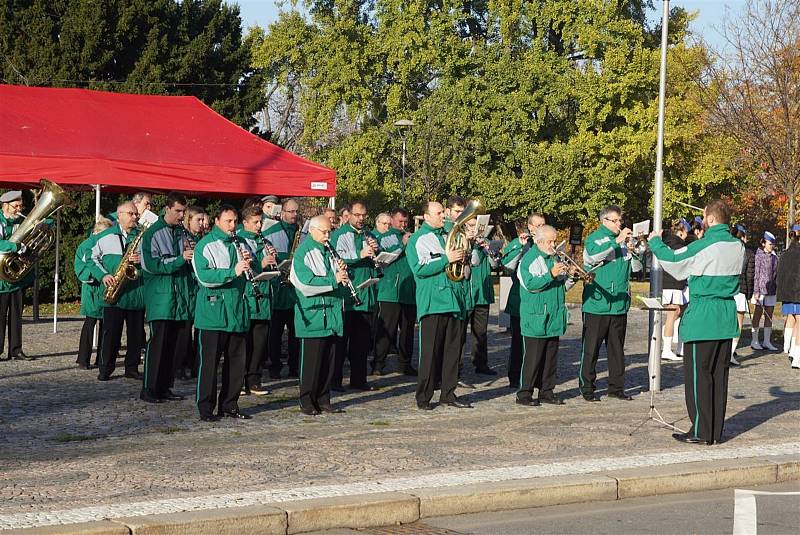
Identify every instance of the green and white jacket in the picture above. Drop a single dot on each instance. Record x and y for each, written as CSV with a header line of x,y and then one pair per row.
x,y
258,309
281,235
319,311
712,265
349,242
109,247
513,252
480,280
167,275
397,284
7,228
609,294
543,312
92,290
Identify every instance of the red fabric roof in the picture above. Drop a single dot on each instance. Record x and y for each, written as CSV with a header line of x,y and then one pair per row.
x,y
143,142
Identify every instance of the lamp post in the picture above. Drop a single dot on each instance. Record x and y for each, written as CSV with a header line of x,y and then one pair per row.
x,y
403,125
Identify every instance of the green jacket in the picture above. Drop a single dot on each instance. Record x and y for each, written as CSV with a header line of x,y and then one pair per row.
x,y
480,281
397,284
281,236
7,228
221,304
609,294
713,265
436,294
543,312
319,311
167,275
107,251
261,308
512,254
348,243
92,290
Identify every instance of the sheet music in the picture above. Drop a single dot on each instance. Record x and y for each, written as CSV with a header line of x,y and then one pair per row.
x,y
642,228
386,258
148,218
266,275
367,283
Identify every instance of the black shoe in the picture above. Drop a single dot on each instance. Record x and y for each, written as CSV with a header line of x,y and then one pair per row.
x,y
171,396
235,414
102,377
309,411
551,400
144,396
134,375
620,395
528,402
258,390
209,418
464,384
337,388
457,404
485,370
685,438
591,397
83,366
274,375
410,371
364,388
427,406
330,409
22,356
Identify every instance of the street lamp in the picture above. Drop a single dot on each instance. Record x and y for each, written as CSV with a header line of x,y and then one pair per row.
x,y
403,125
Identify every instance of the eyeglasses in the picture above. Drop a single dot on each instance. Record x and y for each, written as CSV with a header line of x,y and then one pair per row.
x,y
132,214
617,220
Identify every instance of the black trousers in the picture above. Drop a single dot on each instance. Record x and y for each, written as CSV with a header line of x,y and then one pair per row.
x,y
441,342
316,371
281,319
186,349
539,366
256,351
159,365
113,318
11,315
515,354
212,346
706,366
596,330
87,339
389,317
478,325
355,346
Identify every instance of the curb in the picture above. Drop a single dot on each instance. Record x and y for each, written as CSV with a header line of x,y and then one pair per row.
x,y
391,508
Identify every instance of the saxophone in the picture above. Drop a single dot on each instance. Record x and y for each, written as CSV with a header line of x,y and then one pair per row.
x,y
126,270
457,240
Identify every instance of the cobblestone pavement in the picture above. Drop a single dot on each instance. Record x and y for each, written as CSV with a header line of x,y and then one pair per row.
x,y
70,441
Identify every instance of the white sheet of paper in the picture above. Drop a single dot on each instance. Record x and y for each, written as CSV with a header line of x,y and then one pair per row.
x,y
652,303
642,228
276,210
367,283
386,258
266,276
148,218
284,265
488,231
267,223
482,221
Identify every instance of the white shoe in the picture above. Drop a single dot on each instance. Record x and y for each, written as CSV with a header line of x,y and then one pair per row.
x,y
756,346
734,361
795,356
667,354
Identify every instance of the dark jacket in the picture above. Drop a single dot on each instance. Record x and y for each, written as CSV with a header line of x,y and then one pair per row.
x,y
789,275
673,242
748,273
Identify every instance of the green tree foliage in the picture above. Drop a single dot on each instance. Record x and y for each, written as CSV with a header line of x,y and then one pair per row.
x,y
548,104
170,47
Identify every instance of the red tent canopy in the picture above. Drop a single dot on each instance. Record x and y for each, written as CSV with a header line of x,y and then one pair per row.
x,y
142,142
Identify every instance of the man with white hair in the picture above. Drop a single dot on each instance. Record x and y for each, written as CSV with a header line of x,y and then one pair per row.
x,y
544,282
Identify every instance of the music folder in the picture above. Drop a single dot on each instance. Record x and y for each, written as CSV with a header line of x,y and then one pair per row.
x,y
285,265
367,283
651,303
386,258
266,276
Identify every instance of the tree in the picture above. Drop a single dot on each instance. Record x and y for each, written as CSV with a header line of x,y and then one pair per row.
x,y
752,93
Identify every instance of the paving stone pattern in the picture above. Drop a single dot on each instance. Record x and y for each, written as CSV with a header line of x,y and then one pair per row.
x,y
70,442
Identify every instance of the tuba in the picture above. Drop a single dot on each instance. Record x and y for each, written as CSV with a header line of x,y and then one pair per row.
x,y
457,240
34,234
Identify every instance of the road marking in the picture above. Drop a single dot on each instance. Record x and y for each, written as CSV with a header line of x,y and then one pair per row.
x,y
745,518
436,480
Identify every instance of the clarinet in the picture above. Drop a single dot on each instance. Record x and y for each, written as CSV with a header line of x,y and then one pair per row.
x,y
375,264
248,273
269,247
349,284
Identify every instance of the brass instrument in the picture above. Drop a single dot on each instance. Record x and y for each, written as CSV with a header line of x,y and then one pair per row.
x,y
248,273
586,276
457,240
126,270
33,236
295,244
340,263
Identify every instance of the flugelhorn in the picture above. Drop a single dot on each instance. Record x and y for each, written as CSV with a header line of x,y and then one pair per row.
x,y
457,240
585,276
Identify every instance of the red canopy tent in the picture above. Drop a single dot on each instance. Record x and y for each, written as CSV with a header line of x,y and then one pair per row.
x,y
78,137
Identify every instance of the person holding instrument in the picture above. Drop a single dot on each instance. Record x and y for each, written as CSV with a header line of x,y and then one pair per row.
x,y
318,280
186,344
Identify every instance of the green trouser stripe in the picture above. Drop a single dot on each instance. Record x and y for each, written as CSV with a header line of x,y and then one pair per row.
x,y
419,357
583,350
522,367
302,354
694,381
200,366
147,356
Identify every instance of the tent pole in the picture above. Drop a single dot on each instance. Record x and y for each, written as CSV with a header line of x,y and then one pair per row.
x,y
96,332
332,203
55,276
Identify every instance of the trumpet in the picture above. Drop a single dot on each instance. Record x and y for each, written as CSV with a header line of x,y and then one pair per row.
x,y
340,263
580,273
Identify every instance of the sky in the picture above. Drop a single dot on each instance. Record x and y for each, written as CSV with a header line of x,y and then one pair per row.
x,y
262,12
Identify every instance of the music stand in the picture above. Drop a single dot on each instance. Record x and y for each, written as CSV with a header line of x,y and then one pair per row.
x,y
652,303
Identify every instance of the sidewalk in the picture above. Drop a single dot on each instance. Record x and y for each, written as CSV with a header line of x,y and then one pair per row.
x,y
70,443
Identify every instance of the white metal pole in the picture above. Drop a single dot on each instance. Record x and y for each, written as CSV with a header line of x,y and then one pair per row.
x,y
403,182
55,276
658,187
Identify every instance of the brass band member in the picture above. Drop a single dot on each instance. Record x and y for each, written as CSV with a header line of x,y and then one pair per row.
x,y
605,304
92,291
318,317
186,345
396,295
167,277
332,216
675,294
107,253
267,208
357,249
512,254
481,290
282,236
712,264
221,317
441,306
11,293
543,317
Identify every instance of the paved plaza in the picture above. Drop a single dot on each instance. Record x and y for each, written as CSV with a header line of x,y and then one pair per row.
x,y
69,441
